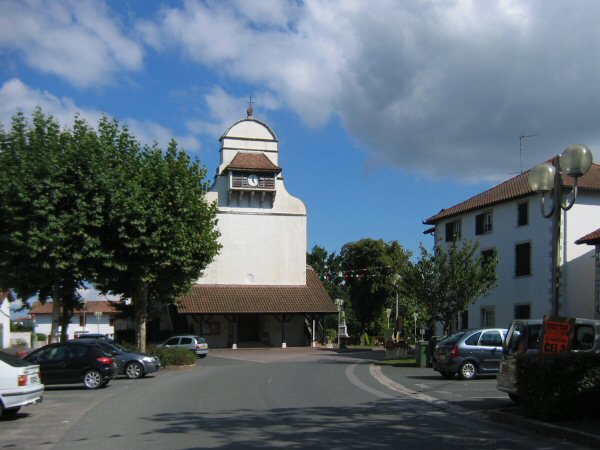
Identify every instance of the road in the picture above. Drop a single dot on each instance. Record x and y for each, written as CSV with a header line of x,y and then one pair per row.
x,y
295,398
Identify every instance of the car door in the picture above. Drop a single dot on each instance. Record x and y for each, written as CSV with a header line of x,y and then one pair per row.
x,y
172,342
77,362
187,343
490,350
52,363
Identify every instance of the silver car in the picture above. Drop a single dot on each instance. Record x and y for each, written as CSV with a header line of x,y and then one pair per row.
x,y
187,341
468,353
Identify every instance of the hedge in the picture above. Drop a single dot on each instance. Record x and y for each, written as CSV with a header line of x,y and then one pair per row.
x,y
559,385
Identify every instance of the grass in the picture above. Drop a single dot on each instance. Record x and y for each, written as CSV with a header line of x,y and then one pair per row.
x,y
406,362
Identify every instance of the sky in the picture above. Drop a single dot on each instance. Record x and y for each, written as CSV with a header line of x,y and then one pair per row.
x,y
386,110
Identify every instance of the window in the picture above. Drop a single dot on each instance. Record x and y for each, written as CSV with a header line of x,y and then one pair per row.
x,y
464,319
491,339
487,255
483,223
523,259
473,339
522,214
452,231
522,311
488,317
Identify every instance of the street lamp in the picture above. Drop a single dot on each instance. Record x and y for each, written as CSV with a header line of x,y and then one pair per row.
x,y
396,280
388,312
546,179
339,303
98,314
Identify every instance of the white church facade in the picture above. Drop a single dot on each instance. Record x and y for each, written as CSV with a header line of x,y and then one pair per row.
x,y
258,290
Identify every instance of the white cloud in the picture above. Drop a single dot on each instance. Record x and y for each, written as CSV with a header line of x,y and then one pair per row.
x,y
15,96
78,40
433,88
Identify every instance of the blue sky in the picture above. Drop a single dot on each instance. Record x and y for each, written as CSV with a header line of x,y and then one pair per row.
x,y
386,111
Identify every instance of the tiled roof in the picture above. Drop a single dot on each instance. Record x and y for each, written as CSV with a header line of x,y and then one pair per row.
x,y
91,308
252,161
239,299
510,190
592,239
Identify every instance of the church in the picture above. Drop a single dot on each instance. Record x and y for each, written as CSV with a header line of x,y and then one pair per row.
x,y
258,291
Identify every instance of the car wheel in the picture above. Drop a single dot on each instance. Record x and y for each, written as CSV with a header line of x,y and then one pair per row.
x,y
8,413
202,356
134,370
467,370
93,379
514,397
446,374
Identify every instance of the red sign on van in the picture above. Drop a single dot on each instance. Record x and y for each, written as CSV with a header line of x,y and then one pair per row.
x,y
558,334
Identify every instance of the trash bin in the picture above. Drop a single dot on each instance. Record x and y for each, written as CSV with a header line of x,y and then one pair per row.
x,y
421,353
432,343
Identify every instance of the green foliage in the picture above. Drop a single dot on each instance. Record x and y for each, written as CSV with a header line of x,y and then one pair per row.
x,y
173,357
559,386
448,281
46,208
329,268
370,267
41,337
20,327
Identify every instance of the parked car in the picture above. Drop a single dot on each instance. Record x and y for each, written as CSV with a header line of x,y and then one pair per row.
x,y
74,362
20,384
523,336
79,335
131,364
188,341
468,353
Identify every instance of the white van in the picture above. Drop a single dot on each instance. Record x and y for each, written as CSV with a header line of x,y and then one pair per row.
x,y
524,336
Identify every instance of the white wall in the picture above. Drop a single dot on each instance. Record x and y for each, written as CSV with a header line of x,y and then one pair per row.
x,y
5,322
43,324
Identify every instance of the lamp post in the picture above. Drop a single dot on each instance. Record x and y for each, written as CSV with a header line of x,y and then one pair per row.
x,y
339,303
98,314
388,312
396,280
546,179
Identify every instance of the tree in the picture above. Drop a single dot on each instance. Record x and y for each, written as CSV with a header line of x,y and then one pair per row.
x,y
159,232
450,279
369,266
45,211
329,268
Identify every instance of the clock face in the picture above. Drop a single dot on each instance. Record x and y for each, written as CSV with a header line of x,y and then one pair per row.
x,y
253,180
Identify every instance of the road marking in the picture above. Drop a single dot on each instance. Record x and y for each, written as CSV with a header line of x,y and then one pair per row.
x,y
376,373
359,384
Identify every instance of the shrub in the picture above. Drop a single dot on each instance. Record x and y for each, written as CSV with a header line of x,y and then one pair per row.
x,y
559,386
40,337
173,356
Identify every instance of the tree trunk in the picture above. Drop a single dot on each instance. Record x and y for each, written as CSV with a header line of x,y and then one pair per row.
x,y
56,307
140,302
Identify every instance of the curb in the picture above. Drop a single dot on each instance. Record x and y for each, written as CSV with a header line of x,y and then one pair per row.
x,y
549,429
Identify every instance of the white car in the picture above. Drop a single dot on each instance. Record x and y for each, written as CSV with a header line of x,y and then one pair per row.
x,y
20,384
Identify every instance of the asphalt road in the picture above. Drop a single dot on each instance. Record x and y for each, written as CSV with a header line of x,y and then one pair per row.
x,y
298,398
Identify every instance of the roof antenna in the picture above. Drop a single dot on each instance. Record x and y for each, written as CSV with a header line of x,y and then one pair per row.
x,y
250,111
523,136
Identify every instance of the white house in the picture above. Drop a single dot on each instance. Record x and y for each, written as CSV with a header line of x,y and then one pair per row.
x,y
594,239
97,317
258,290
4,320
508,218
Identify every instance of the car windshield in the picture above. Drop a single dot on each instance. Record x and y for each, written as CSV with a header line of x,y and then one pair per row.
x,y
453,339
201,340
111,349
14,361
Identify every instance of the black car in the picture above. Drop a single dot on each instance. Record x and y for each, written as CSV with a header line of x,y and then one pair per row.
x,y
131,364
74,362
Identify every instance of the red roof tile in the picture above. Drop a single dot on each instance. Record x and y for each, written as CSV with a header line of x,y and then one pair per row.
x,y
252,161
91,308
510,190
238,299
592,239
